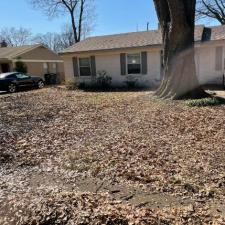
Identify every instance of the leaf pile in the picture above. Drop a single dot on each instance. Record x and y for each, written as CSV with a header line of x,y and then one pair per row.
x,y
86,208
53,140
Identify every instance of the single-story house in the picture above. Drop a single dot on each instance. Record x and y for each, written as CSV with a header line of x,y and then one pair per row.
x,y
138,55
38,59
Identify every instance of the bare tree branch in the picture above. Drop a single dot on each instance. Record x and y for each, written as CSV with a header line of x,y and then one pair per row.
x,y
214,9
15,37
56,41
75,8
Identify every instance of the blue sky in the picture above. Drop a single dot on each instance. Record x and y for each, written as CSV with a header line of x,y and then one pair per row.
x,y
112,17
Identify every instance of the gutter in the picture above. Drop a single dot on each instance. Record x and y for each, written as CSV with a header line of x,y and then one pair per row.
x,y
5,59
197,44
110,49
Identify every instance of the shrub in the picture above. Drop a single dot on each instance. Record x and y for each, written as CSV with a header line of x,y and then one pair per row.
x,y
211,101
82,85
20,67
71,85
131,82
103,80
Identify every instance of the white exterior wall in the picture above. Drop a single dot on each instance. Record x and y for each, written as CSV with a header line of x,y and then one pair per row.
x,y
110,62
206,64
68,68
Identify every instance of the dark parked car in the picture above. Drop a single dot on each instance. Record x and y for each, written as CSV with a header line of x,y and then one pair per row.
x,y
13,81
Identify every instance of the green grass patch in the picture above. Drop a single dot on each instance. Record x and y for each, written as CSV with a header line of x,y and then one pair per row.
x,y
203,102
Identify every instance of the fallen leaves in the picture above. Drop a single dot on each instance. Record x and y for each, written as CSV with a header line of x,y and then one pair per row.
x,y
51,138
92,209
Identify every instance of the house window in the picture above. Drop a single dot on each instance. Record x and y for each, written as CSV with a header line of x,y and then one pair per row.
x,y
45,66
161,63
54,67
85,67
134,63
219,58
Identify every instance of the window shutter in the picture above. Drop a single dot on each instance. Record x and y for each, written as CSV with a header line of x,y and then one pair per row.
x,y
93,66
75,67
123,63
144,63
219,58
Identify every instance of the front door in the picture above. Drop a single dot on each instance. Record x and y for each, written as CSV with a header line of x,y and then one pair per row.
x,y
5,68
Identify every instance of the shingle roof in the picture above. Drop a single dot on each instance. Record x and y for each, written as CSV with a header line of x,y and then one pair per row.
x,y
117,41
126,40
12,52
217,33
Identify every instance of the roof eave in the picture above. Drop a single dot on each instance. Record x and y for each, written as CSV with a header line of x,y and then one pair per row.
x,y
5,59
110,49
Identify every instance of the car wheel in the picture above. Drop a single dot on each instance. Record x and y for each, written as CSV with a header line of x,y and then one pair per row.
x,y
40,84
12,88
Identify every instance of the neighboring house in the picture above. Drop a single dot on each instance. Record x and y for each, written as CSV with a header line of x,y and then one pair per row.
x,y
138,56
38,59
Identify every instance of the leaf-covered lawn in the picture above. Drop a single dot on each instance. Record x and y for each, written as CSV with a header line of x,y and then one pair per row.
x,y
72,157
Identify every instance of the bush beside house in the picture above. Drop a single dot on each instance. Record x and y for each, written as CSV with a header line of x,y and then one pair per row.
x,y
20,67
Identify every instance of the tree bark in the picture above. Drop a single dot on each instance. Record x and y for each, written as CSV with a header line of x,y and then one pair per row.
x,y
74,27
177,20
81,19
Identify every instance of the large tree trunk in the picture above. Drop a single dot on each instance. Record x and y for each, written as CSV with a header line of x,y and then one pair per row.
x,y
177,20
